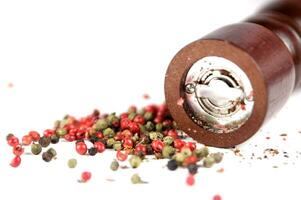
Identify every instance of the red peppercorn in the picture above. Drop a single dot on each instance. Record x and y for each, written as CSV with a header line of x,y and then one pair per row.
x,y
48,132
127,134
69,137
118,136
100,147
190,180
190,160
172,133
178,144
124,115
34,135
128,143
134,127
73,131
139,119
16,161
158,119
191,145
151,108
121,156
99,135
13,141
157,145
18,150
86,176
140,149
26,140
81,148
124,123
217,197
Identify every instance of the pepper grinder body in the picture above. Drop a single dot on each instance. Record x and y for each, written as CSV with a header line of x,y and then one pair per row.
x,y
222,88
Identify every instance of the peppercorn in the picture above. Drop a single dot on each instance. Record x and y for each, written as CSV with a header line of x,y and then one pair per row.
x,y
208,162
135,161
159,127
112,118
44,141
149,126
85,176
136,179
26,140
101,124
218,157
61,132
148,116
36,149
186,152
149,150
13,141
142,128
9,136
81,147
190,180
47,157
168,140
132,115
52,152
16,161
202,153
168,151
54,139
193,168
92,151
114,165
121,156
155,135
179,157
72,163
110,142
172,164
109,133
117,146
100,146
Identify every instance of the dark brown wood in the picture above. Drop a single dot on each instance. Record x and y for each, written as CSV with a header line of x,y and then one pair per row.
x,y
267,47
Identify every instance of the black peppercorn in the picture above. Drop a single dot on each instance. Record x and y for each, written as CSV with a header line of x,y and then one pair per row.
x,y
193,168
92,151
54,139
172,165
93,139
44,141
47,156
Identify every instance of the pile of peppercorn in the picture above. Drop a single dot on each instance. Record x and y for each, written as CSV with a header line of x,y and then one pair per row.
x,y
148,131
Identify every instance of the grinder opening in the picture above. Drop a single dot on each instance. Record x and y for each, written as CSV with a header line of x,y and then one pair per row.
x,y
218,95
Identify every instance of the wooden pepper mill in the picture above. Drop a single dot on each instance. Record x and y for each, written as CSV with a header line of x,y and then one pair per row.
x,y
221,89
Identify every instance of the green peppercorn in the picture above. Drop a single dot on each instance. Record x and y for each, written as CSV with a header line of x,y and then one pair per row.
x,y
172,164
159,127
109,133
47,157
101,124
208,162
92,151
142,128
135,138
61,132
179,157
44,141
141,112
36,149
149,126
135,161
110,142
72,163
168,151
114,165
54,139
168,140
156,136
158,155
111,118
148,116
52,151
136,179
117,146
202,153
132,115
218,157
186,152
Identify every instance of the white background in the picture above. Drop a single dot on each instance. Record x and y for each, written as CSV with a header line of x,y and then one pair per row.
x,y
73,56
